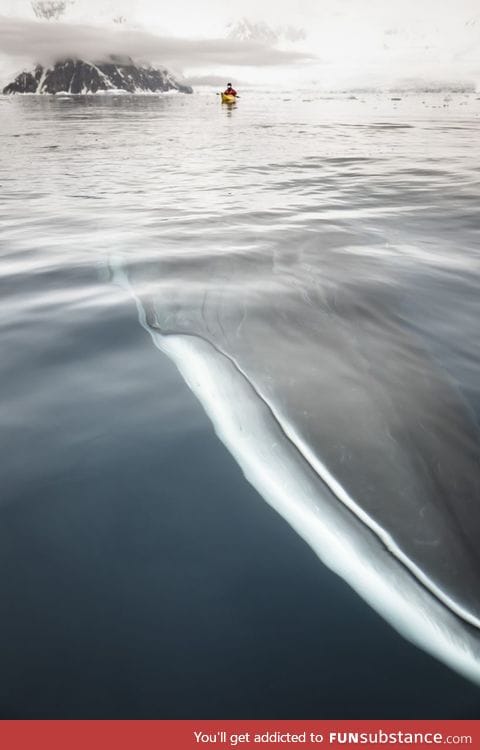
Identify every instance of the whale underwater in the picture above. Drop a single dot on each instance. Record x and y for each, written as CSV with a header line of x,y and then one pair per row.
x,y
350,421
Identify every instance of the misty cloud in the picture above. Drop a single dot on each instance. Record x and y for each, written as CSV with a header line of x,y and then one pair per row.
x,y
46,42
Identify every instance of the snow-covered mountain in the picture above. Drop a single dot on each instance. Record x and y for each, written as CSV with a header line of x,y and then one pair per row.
x,y
48,9
81,77
245,30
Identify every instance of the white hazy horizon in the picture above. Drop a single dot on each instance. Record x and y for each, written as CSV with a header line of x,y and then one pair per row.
x,y
348,43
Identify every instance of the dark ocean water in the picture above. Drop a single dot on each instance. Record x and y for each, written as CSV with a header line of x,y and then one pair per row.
x,y
141,574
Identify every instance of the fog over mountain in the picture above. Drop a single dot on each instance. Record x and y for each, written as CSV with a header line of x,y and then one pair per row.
x,y
25,42
341,43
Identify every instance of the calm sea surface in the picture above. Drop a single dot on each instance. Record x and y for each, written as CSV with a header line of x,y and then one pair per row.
x,y
329,248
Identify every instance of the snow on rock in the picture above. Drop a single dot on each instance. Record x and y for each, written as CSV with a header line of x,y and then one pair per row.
x,y
245,30
80,77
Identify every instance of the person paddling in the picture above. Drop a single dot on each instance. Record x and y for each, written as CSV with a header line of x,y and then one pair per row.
x,y
229,91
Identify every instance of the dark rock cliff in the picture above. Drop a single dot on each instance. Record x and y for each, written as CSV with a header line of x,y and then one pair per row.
x,y
81,77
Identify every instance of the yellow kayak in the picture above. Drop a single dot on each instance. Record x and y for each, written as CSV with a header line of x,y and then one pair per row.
x,y
228,98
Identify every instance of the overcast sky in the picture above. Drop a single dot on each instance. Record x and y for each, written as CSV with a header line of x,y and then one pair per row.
x,y
353,41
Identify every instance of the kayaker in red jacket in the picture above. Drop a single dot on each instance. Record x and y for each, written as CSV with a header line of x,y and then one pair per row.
x,y
229,91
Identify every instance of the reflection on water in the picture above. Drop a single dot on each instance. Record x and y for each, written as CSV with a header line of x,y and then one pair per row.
x,y
229,107
312,267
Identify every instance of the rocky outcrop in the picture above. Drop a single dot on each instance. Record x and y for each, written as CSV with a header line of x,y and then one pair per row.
x,y
81,77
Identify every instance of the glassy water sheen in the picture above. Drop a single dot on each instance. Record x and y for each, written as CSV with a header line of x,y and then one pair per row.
x,y
310,265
